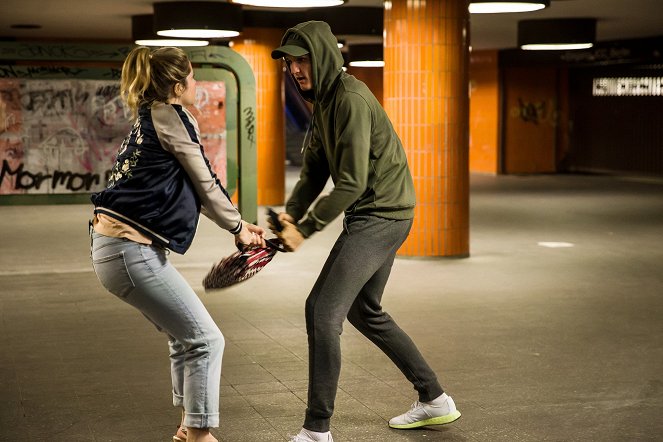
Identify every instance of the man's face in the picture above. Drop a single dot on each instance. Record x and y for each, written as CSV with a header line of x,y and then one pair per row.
x,y
300,69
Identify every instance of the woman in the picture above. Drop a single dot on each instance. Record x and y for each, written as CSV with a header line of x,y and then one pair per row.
x,y
160,183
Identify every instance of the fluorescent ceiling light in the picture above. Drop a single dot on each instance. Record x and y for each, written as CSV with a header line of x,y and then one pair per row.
x,y
172,42
497,7
367,64
367,55
290,3
197,19
556,34
556,47
142,34
197,33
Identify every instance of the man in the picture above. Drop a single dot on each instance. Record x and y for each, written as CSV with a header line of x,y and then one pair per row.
x,y
354,142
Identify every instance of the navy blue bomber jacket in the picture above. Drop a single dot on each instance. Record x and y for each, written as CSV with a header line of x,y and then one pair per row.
x,y
161,179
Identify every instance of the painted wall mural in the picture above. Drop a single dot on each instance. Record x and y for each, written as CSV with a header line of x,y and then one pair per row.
x,y
61,136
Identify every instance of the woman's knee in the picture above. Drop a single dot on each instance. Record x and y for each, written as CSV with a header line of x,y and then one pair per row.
x,y
210,343
216,341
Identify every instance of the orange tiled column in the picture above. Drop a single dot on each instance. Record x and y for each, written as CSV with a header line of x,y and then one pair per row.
x,y
484,112
255,45
426,97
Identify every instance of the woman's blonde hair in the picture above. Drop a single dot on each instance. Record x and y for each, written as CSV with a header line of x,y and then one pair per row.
x,y
151,75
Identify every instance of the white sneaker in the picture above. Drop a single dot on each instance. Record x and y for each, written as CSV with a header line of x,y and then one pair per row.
x,y
312,436
440,411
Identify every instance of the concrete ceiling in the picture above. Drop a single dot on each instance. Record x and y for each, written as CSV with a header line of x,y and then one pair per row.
x,y
111,19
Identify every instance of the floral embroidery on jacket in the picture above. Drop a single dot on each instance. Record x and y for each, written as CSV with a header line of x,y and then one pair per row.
x,y
123,168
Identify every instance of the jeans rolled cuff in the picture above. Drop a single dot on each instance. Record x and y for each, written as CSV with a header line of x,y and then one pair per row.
x,y
201,420
178,401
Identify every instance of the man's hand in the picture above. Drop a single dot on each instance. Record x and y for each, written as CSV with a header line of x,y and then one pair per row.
x,y
290,236
251,235
283,217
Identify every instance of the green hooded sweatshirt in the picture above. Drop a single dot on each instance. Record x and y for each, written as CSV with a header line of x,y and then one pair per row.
x,y
352,141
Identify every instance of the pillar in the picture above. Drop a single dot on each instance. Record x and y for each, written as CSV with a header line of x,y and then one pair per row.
x,y
256,45
484,112
426,97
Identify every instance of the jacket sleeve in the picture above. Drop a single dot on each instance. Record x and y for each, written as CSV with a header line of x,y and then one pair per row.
x,y
175,138
351,161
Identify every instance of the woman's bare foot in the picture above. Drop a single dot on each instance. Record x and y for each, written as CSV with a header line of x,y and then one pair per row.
x,y
199,435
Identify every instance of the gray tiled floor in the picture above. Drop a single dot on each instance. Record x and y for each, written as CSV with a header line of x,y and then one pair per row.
x,y
534,343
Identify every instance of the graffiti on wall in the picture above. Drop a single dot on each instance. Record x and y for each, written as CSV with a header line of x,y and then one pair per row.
x,y
62,136
535,112
210,111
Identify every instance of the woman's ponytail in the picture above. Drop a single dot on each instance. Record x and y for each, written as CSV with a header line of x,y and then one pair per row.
x,y
136,78
149,76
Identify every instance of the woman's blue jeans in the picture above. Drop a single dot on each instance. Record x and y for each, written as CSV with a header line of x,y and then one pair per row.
x,y
142,276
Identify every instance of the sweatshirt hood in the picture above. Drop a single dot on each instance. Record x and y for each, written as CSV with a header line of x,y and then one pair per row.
x,y
326,57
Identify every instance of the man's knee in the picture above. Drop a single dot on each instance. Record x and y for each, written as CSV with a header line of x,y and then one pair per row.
x,y
320,322
368,319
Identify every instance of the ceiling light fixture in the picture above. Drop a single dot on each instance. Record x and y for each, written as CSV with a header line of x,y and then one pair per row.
x,y
290,3
557,34
197,19
177,42
365,56
496,7
143,35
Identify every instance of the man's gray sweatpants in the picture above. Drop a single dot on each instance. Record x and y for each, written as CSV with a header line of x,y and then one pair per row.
x,y
350,285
